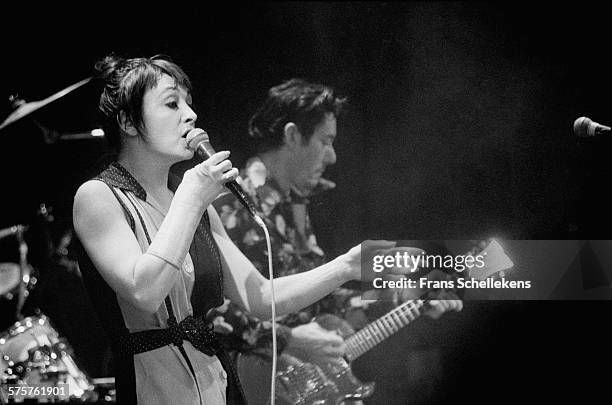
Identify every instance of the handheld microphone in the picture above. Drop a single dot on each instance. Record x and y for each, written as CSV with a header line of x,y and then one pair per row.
x,y
198,141
585,127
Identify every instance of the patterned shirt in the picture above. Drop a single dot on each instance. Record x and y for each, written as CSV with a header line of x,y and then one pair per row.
x,y
294,250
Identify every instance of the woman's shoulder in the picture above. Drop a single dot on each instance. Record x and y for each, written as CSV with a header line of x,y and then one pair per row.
x,y
95,209
94,188
94,197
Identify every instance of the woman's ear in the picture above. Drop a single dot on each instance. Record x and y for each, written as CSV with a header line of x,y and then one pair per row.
x,y
126,125
292,135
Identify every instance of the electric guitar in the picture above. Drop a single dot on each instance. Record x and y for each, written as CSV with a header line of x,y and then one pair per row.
x,y
302,383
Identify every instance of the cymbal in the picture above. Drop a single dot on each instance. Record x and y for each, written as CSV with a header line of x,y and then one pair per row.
x,y
28,108
9,277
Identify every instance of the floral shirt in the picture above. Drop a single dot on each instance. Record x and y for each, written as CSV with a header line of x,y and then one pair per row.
x,y
294,249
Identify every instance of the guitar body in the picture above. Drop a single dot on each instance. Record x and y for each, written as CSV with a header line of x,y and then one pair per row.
x,y
302,383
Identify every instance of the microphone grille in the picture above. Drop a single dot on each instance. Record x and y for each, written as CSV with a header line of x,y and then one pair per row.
x,y
195,136
581,126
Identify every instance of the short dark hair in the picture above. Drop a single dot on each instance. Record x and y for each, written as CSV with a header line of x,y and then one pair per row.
x,y
125,84
297,101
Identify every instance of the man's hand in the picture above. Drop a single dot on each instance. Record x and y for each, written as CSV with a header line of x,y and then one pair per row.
x,y
446,301
222,327
442,300
312,343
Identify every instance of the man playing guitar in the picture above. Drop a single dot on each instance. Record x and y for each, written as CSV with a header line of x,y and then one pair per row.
x,y
294,130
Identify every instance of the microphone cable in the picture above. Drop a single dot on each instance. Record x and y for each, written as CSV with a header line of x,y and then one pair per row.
x,y
261,223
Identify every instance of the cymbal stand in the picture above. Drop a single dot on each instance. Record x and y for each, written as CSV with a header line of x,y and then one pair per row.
x,y
23,272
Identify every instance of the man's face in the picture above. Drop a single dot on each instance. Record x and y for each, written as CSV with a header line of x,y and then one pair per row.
x,y
313,157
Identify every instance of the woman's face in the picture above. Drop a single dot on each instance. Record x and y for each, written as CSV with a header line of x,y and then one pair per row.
x,y
167,118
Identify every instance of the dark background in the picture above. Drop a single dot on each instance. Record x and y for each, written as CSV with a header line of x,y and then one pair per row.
x,y
459,127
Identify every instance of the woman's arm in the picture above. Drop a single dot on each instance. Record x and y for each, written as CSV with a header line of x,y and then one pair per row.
x,y
246,287
145,279
103,230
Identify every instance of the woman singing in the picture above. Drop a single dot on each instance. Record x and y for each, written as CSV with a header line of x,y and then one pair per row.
x,y
155,256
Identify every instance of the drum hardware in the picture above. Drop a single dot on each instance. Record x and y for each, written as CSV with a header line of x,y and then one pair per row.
x,y
51,136
16,275
12,230
23,109
23,275
32,352
105,387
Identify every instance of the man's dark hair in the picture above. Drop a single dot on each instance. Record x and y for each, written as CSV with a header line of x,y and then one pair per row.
x,y
297,101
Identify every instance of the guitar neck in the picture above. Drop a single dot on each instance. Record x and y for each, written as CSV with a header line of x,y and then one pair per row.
x,y
379,330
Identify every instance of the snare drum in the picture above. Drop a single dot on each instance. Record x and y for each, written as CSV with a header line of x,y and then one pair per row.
x,y
32,352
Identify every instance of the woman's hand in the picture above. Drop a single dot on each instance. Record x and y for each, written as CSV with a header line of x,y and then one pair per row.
x,y
367,260
205,181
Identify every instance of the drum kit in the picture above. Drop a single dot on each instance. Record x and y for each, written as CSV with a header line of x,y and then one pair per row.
x,y
32,352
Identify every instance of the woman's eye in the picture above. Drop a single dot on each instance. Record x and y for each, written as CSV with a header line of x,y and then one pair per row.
x,y
172,104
